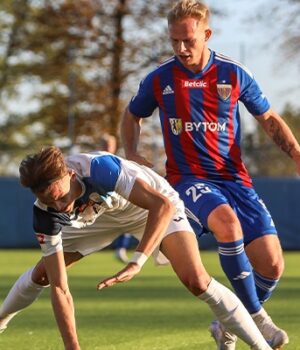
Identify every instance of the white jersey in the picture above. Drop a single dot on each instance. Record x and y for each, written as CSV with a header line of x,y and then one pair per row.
x,y
103,207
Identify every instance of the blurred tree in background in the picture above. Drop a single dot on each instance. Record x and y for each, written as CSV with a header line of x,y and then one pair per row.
x,y
74,61
283,17
262,156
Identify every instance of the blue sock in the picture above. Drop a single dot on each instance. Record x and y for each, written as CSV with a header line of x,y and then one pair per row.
x,y
264,286
238,270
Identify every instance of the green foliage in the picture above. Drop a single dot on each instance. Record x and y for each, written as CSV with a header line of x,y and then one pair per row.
x,y
263,157
74,60
151,312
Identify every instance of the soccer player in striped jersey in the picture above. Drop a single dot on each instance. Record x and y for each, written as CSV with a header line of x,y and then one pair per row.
x,y
197,92
87,200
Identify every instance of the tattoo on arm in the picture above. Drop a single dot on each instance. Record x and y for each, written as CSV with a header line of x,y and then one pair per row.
x,y
280,138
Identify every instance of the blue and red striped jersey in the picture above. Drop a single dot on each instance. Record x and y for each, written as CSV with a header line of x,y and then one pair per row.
x,y
199,115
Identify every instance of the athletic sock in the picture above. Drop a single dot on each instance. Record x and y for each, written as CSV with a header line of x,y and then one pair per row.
x,y
233,315
264,286
238,270
23,293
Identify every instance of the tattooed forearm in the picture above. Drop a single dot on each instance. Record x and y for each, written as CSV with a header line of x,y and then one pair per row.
x,y
280,137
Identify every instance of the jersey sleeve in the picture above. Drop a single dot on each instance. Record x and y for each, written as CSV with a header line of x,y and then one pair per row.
x,y
110,173
251,95
47,226
144,102
105,171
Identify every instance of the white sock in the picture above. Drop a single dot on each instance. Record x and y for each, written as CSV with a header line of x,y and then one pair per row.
x,y
23,293
233,315
262,313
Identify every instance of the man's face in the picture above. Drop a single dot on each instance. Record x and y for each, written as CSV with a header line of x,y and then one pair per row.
x,y
188,38
60,195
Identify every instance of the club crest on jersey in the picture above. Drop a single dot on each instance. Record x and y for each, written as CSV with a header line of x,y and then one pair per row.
x,y
224,91
176,125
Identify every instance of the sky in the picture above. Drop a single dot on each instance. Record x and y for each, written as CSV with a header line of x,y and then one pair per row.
x,y
253,43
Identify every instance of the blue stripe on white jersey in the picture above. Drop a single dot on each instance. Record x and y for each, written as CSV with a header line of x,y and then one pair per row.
x,y
105,170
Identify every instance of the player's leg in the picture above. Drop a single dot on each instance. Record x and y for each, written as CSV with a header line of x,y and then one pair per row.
x,y
210,204
261,240
27,289
223,222
265,254
182,250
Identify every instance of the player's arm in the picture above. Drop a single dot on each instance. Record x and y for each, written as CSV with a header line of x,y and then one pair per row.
x,y
160,212
61,298
130,135
281,134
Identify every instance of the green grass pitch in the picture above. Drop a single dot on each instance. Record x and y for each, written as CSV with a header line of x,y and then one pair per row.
x,y
151,312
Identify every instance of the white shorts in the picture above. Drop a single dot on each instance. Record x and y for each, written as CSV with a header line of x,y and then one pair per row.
x,y
109,226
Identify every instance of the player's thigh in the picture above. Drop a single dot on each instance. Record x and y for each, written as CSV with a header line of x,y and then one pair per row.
x,y
265,255
72,258
200,198
255,219
181,248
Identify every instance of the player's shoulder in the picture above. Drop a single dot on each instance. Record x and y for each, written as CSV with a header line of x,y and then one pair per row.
x,y
81,163
228,62
166,64
163,68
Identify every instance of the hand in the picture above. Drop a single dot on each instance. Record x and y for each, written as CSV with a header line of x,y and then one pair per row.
x,y
126,274
140,160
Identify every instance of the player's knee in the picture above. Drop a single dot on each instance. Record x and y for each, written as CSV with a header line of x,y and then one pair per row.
x,y
277,268
196,284
274,269
229,232
40,278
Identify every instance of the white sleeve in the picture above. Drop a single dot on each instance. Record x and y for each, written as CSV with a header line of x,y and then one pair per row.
x,y
50,244
126,180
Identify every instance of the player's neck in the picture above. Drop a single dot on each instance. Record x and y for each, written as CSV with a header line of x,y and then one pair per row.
x,y
197,68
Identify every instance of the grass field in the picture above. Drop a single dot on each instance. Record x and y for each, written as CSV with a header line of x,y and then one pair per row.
x,y
151,312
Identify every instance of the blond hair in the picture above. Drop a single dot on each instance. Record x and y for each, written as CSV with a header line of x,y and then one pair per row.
x,y
188,8
38,171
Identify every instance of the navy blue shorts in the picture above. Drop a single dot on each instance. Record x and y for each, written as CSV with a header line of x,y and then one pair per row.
x,y
202,196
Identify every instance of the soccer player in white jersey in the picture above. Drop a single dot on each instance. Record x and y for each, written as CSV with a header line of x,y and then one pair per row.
x,y
83,203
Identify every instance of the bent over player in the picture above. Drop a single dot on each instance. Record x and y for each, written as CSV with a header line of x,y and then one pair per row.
x,y
83,204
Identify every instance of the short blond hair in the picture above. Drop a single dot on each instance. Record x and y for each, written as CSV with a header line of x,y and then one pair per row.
x,y
38,171
189,8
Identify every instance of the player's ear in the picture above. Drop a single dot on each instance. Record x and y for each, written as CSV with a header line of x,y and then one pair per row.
x,y
208,33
